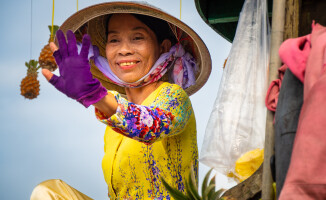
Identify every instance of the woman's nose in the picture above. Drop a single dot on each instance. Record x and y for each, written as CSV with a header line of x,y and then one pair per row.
x,y
126,48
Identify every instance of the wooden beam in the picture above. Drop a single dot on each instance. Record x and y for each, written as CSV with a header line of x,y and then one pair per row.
x,y
291,26
277,33
248,189
285,24
227,19
223,20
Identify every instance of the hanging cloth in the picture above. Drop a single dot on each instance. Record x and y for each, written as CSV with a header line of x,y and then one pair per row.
x,y
306,176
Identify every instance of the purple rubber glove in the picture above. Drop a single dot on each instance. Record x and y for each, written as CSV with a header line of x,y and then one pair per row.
x,y
76,80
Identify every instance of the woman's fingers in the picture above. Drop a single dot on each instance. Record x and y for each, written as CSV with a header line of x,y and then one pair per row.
x,y
86,43
72,44
63,47
56,54
47,74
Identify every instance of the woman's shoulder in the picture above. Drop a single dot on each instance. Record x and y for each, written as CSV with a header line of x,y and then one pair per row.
x,y
171,93
172,89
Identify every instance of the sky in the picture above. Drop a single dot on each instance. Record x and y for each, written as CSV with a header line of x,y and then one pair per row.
x,y
54,137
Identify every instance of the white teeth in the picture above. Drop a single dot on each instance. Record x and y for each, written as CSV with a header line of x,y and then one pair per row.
x,y
127,63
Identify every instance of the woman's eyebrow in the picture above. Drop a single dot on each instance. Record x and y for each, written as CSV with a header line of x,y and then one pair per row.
x,y
139,28
111,32
134,29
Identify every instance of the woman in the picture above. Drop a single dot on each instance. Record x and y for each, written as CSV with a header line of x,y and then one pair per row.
x,y
152,132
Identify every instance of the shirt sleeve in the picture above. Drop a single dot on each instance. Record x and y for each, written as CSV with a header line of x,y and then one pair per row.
x,y
168,116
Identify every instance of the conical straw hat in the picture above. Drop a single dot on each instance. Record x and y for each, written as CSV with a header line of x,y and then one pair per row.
x,y
92,20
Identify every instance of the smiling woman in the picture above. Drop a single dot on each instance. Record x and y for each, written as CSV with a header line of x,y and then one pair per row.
x,y
132,47
151,133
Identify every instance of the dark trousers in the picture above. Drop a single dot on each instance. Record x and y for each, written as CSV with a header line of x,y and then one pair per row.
x,y
286,121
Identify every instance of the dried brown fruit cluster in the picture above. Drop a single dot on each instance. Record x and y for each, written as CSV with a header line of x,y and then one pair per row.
x,y
46,60
30,86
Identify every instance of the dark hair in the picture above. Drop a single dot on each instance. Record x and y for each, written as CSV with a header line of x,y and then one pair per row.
x,y
160,27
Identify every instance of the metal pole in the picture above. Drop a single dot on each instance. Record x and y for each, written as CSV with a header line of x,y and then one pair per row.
x,y
277,32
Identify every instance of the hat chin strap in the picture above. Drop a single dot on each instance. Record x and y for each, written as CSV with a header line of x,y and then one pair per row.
x,y
183,72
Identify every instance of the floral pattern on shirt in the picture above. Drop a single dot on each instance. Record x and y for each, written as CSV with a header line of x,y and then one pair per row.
x,y
149,123
133,169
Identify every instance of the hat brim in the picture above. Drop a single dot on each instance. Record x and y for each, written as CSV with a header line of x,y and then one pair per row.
x,y
91,20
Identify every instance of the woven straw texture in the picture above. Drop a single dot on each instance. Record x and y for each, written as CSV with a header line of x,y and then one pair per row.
x,y
91,20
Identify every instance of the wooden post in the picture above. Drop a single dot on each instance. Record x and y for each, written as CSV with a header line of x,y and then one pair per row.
x,y
291,26
277,33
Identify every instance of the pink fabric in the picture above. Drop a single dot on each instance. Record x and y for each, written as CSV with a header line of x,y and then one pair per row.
x,y
306,177
274,90
317,58
294,53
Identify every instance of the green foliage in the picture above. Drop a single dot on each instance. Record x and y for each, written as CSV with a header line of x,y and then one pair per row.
x,y
55,28
32,65
192,193
175,193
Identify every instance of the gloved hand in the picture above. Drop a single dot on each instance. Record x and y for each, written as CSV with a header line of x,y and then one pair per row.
x,y
76,80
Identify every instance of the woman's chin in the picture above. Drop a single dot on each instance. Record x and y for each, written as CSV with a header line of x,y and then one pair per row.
x,y
129,79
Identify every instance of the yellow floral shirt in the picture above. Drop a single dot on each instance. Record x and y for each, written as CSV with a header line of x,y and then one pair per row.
x,y
148,141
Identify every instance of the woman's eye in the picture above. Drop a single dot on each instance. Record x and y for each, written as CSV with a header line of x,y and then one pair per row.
x,y
138,38
113,41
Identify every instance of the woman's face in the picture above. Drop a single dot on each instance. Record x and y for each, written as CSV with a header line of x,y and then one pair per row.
x,y
132,47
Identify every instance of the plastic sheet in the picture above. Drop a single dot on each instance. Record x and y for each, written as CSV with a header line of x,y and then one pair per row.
x,y
237,122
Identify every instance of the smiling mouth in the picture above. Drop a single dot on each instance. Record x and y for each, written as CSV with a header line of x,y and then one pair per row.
x,y
124,64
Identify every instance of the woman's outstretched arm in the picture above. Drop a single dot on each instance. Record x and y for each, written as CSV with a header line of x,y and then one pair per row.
x,y
167,116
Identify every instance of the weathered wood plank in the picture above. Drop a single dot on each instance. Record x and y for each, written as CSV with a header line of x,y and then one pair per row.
x,y
247,189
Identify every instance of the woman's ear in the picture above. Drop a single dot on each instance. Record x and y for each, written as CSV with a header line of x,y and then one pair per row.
x,y
165,46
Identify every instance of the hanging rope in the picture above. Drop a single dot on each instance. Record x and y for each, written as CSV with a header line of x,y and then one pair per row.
x,y
30,51
180,8
77,5
52,20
